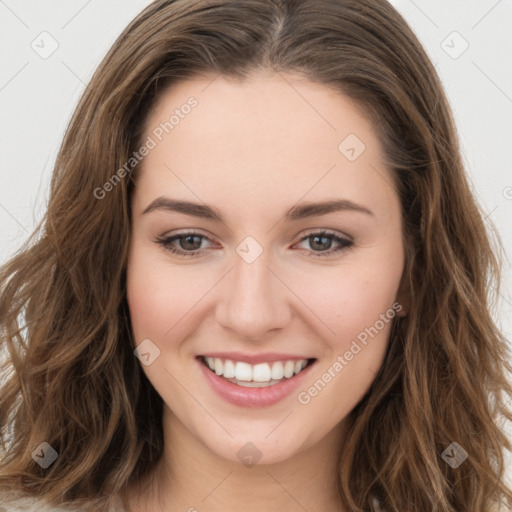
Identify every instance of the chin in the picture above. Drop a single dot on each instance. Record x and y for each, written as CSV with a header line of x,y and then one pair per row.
x,y
262,445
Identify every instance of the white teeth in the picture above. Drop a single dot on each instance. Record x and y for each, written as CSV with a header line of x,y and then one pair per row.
x,y
243,371
261,372
258,375
289,369
229,369
277,371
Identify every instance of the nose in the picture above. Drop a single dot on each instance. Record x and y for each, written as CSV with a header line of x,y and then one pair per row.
x,y
253,300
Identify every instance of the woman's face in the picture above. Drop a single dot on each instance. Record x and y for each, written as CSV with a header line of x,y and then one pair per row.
x,y
295,258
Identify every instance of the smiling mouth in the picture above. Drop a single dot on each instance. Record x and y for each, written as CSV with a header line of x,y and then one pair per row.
x,y
258,375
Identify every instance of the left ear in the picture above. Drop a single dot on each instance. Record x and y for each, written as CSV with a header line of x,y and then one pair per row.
x,y
402,308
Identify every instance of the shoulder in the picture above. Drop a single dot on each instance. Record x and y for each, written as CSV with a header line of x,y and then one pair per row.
x,y
29,504
376,506
495,507
499,507
24,503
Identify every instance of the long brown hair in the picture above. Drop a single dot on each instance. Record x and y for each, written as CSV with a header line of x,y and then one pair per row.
x,y
71,378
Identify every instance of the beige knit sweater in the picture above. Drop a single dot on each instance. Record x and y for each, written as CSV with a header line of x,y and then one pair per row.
x,y
16,503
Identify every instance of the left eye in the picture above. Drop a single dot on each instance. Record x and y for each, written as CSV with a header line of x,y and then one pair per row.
x,y
190,243
319,240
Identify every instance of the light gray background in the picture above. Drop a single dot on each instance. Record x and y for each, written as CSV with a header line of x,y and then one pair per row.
x,y
38,95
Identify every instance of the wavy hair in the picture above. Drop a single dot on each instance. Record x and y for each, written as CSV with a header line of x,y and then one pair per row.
x,y
70,377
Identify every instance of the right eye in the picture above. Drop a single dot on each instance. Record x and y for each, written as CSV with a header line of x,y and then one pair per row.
x,y
187,242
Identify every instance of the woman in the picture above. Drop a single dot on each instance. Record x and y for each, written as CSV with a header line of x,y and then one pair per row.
x,y
261,281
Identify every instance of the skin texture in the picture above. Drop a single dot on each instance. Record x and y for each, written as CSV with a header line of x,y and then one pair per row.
x,y
253,150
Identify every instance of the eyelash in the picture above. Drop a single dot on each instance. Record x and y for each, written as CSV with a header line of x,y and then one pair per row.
x,y
166,242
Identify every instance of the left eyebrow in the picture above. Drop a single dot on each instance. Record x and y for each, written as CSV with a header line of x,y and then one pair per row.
x,y
295,213
304,210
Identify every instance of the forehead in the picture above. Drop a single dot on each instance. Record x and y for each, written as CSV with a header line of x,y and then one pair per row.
x,y
271,134
264,106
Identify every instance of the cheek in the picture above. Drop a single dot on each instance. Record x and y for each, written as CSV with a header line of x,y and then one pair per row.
x,y
359,306
361,303
162,298
347,299
360,312
153,298
351,299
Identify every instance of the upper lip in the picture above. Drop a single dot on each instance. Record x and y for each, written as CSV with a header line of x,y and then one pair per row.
x,y
261,357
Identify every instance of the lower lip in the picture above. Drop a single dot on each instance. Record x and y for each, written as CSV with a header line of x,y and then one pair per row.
x,y
252,397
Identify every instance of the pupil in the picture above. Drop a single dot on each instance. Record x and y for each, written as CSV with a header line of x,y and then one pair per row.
x,y
187,239
316,237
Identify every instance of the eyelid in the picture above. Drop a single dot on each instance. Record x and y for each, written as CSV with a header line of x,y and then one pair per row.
x,y
346,241
302,234
327,231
